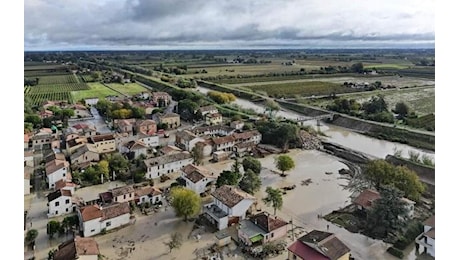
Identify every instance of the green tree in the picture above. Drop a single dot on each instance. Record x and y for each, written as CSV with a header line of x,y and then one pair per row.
x,y
175,241
381,173
376,105
28,128
274,199
357,67
118,163
401,109
228,178
284,163
187,108
236,166
185,202
35,120
252,164
388,214
102,167
138,112
53,227
197,155
31,235
250,182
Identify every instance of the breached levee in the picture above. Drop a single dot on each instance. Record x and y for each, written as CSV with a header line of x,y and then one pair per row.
x,y
346,153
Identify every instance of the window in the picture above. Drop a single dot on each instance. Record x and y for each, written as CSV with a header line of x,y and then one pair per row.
x,y
67,201
57,212
56,203
108,224
272,234
67,210
124,196
63,175
92,230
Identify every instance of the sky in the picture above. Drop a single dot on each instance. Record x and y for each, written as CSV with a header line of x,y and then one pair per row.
x,y
227,24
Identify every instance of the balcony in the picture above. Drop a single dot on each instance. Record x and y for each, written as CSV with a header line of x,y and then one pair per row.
x,y
215,212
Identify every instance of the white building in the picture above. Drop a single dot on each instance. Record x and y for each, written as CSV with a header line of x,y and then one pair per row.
x,y
229,206
207,110
60,203
57,170
166,164
426,239
93,218
149,140
147,194
225,143
187,140
197,178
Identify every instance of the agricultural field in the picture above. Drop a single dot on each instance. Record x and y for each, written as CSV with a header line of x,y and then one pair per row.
x,y
243,69
39,98
306,88
386,80
128,88
95,90
46,80
421,100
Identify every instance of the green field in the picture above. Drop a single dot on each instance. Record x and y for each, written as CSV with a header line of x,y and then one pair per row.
x,y
128,88
62,87
39,98
307,88
95,90
47,80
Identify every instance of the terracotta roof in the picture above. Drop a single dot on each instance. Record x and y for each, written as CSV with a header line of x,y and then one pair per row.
x,y
115,210
214,115
54,156
207,108
169,115
148,190
430,221
268,223
28,153
62,184
146,122
246,135
132,145
305,252
186,135
366,198
78,246
26,175
164,159
122,190
170,149
230,196
55,165
26,138
100,138
90,212
196,173
223,140
325,243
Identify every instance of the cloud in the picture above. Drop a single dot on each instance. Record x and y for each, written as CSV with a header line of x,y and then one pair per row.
x,y
189,24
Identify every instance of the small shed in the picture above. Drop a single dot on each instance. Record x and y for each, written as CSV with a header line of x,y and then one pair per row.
x,y
223,238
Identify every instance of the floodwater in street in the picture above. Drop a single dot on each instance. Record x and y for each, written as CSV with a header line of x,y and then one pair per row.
x,y
348,138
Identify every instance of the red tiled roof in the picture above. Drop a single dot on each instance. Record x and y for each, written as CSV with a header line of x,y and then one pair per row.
x,y
90,212
430,233
366,198
305,252
230,196
268,223
61,184
115,210
76,247
26,138
223,140
147,191
55,165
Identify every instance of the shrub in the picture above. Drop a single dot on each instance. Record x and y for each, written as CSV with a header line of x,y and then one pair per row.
x,y
396,252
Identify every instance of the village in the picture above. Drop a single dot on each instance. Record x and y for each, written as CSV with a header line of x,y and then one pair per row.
x,y
106,189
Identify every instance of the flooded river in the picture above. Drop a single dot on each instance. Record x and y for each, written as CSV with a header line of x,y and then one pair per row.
x,y
339,135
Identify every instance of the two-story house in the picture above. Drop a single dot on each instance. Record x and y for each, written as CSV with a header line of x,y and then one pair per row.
x,y
151,139
42,139
366,199
82,248
172,120
57,170
198,178
237,125
82,129
83,154
60,203
213,130
318,245
123,194
147,194
166,164
213,119
161,99
207,110
94,218
186,140
146,126
125,125
229,206
426,240
225,143
253,136
103,143
135,148
261,228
